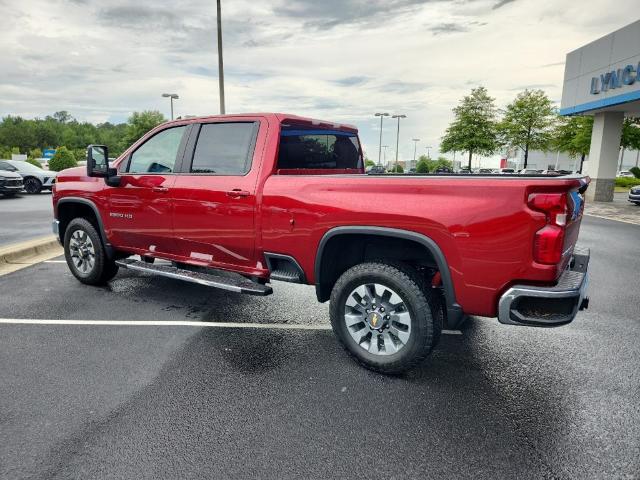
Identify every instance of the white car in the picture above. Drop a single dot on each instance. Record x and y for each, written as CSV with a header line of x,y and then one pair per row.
x,y
35,179
625,174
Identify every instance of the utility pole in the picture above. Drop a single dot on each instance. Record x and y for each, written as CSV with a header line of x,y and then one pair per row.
x,y
415,147
385,155
381,115
171,96
428,152
220,63
398,137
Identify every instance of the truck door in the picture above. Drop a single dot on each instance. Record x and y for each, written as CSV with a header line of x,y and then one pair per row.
x,y
140,208
214,199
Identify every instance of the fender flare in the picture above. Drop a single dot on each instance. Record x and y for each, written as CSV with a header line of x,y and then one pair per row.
x,y
455,314
103,236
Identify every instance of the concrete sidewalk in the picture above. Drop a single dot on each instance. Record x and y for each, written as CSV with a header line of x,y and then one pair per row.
x,y
620,209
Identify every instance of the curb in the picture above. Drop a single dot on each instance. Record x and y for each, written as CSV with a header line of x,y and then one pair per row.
x,y
21,252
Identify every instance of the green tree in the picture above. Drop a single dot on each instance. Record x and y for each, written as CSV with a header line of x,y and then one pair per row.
x,y
528,122
630,139
33,162
423,165
62,159
573,136
15,151
397,169
35,153
140,123
474,128
369,163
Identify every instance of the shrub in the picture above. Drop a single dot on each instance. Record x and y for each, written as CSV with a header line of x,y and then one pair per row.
x,y
397,169
422,166
35,153
627,182
34,162
62,159
635,171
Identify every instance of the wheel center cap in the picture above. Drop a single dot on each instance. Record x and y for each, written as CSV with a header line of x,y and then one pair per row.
x,y
375,320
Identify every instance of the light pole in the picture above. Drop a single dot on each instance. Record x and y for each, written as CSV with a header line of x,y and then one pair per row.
x,y
385,154
172,97
428,152
415,147
381,115
220,63
398,137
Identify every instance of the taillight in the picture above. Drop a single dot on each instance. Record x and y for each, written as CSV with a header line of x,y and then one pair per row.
x,y
549,240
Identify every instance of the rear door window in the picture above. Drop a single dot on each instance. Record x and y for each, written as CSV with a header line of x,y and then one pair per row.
x,y
224,148
318,149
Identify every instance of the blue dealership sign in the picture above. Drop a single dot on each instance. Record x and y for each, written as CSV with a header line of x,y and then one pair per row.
x,y
48,153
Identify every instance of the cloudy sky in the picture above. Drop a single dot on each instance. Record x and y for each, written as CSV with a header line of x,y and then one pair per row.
x,y
339,60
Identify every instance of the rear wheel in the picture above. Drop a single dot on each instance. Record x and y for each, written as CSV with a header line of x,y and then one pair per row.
x,y
384,317
85,255
32,185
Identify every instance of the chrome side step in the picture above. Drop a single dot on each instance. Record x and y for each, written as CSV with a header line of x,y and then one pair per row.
x,y
217,279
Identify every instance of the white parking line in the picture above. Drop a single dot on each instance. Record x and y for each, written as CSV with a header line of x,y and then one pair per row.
x,y
176,323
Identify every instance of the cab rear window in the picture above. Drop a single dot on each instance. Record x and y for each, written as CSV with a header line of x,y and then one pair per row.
x,y
308,149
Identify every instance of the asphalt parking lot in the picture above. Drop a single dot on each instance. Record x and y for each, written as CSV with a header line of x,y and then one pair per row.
x,y
24,217
177,397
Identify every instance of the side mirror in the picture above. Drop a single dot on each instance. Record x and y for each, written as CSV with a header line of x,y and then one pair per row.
x,y
97,161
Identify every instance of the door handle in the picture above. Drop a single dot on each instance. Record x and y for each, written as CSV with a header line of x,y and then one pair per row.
x,y
236,192
159,189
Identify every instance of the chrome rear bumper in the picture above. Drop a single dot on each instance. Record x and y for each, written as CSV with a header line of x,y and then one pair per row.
x,y
549,306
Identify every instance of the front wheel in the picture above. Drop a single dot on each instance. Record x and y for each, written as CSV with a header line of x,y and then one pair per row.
x,y
85,255
384,316
32,185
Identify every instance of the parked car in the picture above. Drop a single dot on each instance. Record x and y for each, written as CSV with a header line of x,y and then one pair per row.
x,y
634,195
551,172
376,169
485,171
10,183
530,171
238,201
625,174
35,179
505,171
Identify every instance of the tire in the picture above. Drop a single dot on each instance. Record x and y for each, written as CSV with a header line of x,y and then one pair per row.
x,y
32,185
400,341
85,254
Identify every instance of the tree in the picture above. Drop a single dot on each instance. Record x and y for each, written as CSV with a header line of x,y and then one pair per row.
x,y
474,128
423,165
630,139
140,123
397,169
369,163
528,122
573,136
62,159
35,153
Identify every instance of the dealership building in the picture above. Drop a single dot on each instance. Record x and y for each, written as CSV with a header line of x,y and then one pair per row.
x,y
602,79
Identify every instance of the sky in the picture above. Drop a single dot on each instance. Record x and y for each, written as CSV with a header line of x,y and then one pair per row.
x,y
337,60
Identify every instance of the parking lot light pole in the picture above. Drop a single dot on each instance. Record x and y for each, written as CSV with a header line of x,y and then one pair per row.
x,y
172,97
429,152
415,147
220,62
384,162
381,115
398,137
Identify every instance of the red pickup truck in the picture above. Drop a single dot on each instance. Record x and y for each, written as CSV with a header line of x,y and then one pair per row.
x,y
237,201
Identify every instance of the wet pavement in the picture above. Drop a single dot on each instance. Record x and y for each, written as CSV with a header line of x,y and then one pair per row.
x,y
184,401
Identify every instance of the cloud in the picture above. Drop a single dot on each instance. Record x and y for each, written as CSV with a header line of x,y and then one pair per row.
x,y
447,28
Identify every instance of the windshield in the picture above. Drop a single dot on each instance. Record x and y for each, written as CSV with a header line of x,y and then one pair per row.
x,y
25,166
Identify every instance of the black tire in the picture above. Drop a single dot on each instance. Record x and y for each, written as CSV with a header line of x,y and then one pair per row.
x,y
422,304
102,269
32,185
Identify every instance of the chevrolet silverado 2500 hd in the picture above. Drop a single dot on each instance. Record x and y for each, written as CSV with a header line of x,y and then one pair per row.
x,y
237,201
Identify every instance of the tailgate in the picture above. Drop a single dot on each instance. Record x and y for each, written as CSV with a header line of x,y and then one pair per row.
x,y
575,210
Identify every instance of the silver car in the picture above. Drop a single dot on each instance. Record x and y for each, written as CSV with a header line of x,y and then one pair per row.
x,y
35,179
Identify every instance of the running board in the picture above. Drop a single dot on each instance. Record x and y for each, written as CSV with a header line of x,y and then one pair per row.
x,y
217,279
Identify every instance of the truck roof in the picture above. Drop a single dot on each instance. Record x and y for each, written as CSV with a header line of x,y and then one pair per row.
x,y
279,117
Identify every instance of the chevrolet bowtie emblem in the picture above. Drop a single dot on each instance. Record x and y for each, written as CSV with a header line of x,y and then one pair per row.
x,y
374,320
